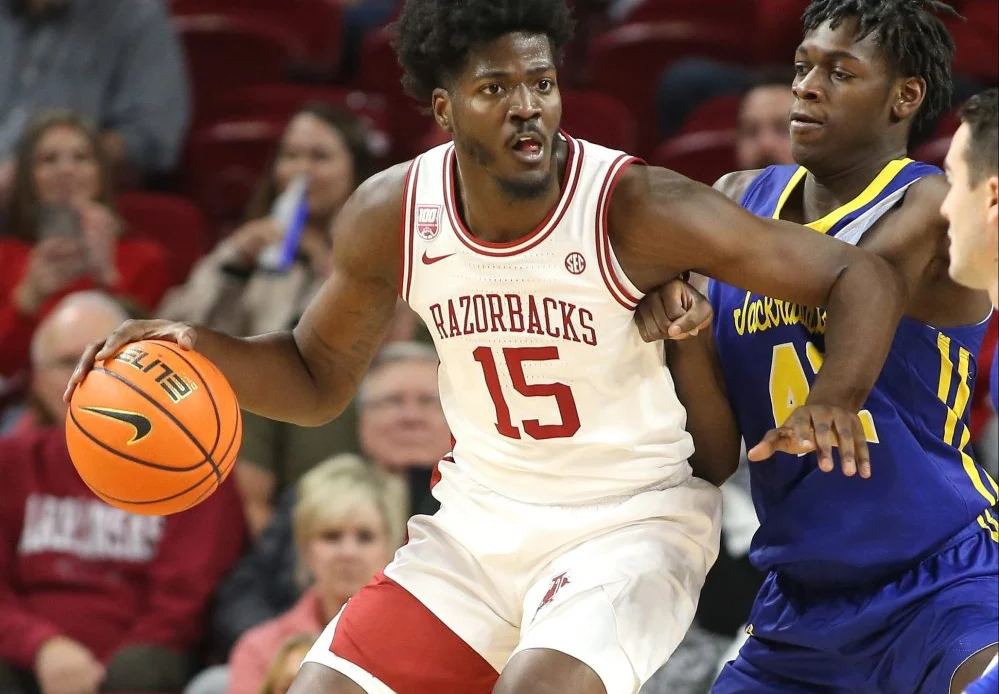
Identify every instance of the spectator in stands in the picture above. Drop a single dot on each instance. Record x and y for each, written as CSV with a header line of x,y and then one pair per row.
x,y
763,137
285,665
62,234
92,597
118,63
347,520
402,429
228,291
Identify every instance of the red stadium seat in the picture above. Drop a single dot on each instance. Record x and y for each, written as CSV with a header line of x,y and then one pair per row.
x,y
599,118
319,23
737,15
703,156
173,221
719,113
225,162
226,53
274,101
627,62
380,73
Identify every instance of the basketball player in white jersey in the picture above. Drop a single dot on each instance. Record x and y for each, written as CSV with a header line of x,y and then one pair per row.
x,y
572,540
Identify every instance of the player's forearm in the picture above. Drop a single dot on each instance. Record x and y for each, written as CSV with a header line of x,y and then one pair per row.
x,y
270,377
700,386
863,311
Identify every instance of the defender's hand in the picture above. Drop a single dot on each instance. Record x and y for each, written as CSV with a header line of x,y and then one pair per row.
x,y
129,331
820,428
674,311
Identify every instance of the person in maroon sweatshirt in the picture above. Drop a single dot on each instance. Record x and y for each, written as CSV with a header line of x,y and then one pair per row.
x,y
93,598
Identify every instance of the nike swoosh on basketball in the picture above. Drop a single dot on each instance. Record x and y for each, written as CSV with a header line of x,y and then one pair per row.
x,y
140,422
430,260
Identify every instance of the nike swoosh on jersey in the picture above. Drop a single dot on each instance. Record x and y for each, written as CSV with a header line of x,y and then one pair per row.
x,y
140,422
430,260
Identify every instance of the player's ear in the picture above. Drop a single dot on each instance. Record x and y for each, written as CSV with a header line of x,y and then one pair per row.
x,y
992,185
441,105
909,95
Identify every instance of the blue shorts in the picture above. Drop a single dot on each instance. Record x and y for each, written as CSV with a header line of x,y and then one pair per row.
x,y
908,636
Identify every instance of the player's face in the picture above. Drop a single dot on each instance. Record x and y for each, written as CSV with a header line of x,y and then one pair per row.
x,y
401,423
763,138
65,168
343,556
313,148
842,92
971,213
504,111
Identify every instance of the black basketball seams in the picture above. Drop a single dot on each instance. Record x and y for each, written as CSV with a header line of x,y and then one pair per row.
x,y
211,397
146,502
168,414
126,456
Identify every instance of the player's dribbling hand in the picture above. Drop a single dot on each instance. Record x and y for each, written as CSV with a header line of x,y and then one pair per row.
x,y
674,311
820,428
129,331
64,666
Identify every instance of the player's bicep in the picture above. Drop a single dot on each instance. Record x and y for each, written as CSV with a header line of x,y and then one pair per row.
x,y
348,319
716,237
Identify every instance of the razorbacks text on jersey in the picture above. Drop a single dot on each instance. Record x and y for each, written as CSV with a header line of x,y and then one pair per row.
x,y
519,326
827,529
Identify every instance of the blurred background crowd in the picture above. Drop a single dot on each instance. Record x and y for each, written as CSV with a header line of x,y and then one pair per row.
x,y
143,147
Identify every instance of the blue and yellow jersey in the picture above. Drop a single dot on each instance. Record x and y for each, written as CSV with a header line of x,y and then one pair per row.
x,y
827,529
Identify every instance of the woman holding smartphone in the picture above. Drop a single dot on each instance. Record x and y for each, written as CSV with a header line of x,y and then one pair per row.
x,y
62,235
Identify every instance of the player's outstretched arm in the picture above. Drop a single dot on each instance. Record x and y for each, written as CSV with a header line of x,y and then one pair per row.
x,y
662,223
309,375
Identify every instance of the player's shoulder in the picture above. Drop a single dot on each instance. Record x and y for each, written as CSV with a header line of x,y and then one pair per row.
x,y
735,184
384,190
927,193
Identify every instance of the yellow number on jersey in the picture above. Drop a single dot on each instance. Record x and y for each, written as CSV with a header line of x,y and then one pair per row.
x,y
789,385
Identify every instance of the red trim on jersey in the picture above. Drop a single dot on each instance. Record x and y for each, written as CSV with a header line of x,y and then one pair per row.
x,y
435,475
570,180
605,259
391,635
406,230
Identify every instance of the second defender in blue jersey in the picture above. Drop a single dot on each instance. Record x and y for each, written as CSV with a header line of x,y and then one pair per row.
x,y
887,584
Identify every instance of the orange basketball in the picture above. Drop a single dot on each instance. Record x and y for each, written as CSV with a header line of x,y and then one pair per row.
x,y
155,429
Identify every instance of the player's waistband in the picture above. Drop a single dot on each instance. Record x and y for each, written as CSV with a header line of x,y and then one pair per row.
x,y
464,474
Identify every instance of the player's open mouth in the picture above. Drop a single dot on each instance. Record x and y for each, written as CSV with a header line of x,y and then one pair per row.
x,y
528,148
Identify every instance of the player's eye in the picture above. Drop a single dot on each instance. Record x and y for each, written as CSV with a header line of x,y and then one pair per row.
x,y
545,85
492,89
840,75
801,69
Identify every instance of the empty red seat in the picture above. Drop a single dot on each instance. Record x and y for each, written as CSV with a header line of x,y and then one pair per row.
x,y
318,23
719,113
738,15
225,53
628,61
702,156
599,118
379,72
225,163
274,101
172,220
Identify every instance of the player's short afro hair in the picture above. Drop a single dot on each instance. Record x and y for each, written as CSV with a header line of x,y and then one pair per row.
x,y
914,40
434,37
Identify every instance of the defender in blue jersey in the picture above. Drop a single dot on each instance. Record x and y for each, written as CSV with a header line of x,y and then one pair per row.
x,y
972,209
886,585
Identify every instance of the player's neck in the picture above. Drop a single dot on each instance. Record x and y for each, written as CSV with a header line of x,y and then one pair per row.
x,y
494,216
825,191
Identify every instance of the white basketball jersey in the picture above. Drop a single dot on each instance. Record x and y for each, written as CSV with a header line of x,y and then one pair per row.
x,y
550,392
